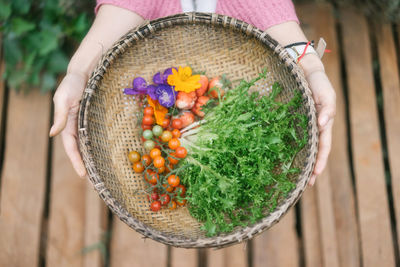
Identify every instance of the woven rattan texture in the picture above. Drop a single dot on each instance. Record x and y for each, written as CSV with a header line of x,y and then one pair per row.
x,y
109,128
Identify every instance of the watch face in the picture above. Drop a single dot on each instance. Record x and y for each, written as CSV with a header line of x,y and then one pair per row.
x,y
292,53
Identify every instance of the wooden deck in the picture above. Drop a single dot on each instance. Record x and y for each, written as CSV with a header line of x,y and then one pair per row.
x,y
351,217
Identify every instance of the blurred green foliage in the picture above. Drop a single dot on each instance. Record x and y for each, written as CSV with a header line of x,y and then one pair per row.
x,y
38,38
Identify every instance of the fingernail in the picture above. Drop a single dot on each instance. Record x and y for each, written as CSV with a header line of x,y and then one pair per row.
x,y
51,131
323,120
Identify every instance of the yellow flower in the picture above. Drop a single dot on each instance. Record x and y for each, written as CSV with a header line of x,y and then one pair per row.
x,y
183,80
159,111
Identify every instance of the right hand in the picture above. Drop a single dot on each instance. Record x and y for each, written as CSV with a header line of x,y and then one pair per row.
x,y
66,107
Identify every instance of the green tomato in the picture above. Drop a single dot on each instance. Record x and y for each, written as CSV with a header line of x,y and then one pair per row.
x,y
148,134
157,130
149,144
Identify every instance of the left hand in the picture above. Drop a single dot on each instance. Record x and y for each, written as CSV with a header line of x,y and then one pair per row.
x,y
325,102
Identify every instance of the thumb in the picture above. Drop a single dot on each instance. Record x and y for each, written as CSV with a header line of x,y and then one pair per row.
x,y
60,117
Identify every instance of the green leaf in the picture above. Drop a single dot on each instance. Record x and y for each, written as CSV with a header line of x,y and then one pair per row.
x,y
21,6
5,10
58,62
48,82
12,51
49,43
16,79
20,26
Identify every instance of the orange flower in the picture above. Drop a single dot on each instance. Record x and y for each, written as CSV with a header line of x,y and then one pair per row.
x,y
183,80
159,111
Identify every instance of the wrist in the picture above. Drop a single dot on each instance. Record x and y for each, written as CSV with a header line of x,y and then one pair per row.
x,y
311,63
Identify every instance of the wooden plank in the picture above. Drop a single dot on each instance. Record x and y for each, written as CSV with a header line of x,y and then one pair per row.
x,y
321,23
373,211
128,248
310,228
389,72
24,178
279,245
327,227
181,257
67,212
233,256
95,227
2,100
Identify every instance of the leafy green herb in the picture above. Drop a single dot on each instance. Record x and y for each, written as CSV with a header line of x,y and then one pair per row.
x,y
240,159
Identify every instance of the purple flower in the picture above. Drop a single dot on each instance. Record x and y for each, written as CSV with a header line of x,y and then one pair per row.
x,y
139,87
165,95
151,91
158,78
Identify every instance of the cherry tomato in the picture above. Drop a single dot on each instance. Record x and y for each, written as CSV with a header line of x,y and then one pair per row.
x,y
155,196
165,123
176,124
166,136
157,130
174,143
155,206
134,156
164,199
151,177
173,180
138,167
181,190
161,169
176,133
148,144
146,160
148,120
172,205
148,111
155,152
147,134
181,152
146,127
158,162
172,158
181,203
168,188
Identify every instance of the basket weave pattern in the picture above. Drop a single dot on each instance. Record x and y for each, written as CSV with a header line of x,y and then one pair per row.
x,y
108,125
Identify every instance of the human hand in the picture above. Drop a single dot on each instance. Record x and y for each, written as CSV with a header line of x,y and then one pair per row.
x,y
325,102
66,107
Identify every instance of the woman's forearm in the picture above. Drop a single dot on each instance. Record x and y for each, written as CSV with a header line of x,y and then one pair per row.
x,y
109,25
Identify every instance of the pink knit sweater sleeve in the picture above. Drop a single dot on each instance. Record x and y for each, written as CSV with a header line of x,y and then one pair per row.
x,y
261,13
147,9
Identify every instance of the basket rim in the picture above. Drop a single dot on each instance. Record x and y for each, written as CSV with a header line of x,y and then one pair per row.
x,y
141,32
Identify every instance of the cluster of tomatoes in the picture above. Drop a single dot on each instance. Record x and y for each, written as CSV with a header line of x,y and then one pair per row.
x,y
159,165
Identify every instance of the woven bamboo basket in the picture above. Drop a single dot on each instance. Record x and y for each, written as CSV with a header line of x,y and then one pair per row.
x,y
108,127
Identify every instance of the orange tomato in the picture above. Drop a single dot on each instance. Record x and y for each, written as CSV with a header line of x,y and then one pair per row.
x,y
146,127
158,162
146,160
134,156
176,133
148,120
174,143
181,203
172,159
165,123
172,205
155,152
168,188
173,180
161,169
176,124
148,111
151,177
138,167
181,152
166,136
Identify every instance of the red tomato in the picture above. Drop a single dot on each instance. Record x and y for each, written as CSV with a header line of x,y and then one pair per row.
x,y
181,152
151,177
148,120
168,188
138,167
155,152
173,180
158,162
155,196
165,123
146,127
176,124
148,111
155,206
172,205
146,160
174,143
176,133
181,190
164,199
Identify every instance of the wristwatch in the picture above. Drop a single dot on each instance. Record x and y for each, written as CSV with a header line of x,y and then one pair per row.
x,y
300,49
